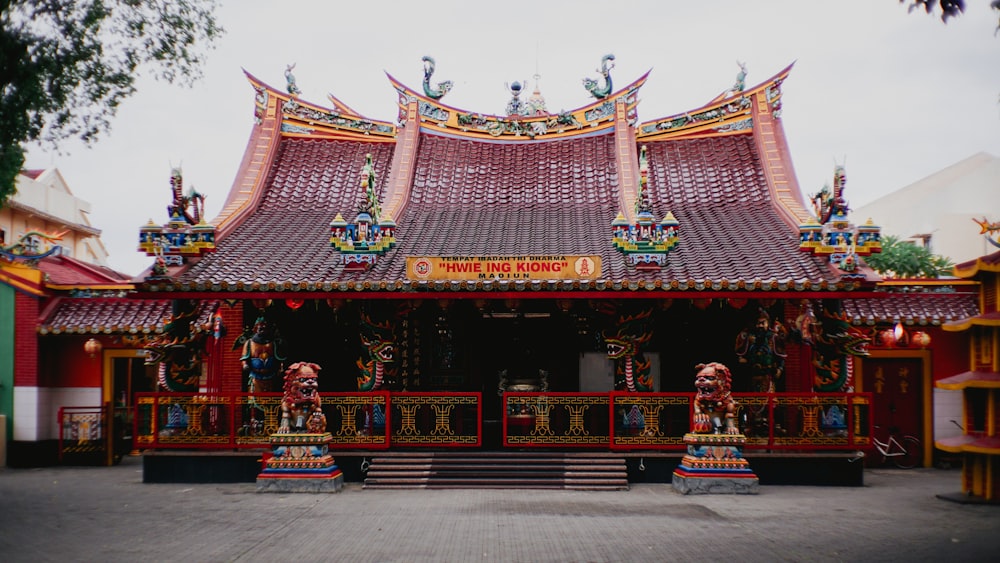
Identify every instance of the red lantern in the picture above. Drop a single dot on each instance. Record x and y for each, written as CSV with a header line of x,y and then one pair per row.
x,y
294,304
737,302
920,338
92,347
887,338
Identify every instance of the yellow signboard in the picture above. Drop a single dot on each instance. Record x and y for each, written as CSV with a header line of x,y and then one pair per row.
x,y
503,267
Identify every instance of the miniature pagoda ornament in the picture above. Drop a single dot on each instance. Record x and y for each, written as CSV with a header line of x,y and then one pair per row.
x,y
593,84
645,242
187,235
370,235
831,234
442,87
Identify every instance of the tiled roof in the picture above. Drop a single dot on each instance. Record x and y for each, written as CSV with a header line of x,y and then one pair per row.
x,y
988,263
288,238
730,230
115,316
472,197
64,270
912,308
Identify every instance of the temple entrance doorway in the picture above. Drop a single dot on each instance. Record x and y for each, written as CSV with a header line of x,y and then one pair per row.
x,y
900,385
519,352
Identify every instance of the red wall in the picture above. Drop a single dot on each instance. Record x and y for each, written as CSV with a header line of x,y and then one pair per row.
x,y
230,378
26,309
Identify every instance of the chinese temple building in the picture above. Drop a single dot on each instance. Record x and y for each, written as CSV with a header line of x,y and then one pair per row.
x,y
532,281
979,443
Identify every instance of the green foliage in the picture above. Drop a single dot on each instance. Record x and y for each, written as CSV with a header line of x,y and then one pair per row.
x,y
67,65
903,259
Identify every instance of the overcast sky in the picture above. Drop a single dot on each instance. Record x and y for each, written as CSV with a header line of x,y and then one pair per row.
x,y
898,96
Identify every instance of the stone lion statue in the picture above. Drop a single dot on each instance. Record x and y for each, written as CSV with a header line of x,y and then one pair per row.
x,y
714,406
301,407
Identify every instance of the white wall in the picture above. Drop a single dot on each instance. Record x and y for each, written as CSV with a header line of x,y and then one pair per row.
x,y
597,372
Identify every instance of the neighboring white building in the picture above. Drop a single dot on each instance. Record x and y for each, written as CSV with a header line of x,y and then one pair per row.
x,y
938,211
44,202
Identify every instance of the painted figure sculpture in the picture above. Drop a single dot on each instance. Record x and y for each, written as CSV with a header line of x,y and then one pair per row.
x,y
714,407
301,406
714,461
762,348
261,362
300,460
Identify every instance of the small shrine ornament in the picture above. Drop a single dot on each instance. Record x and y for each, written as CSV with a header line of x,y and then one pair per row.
x,y
645,242
186,235
831,234
370,235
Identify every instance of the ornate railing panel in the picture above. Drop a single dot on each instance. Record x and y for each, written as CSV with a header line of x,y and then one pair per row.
x,y
82,430
556,419
358,420
650,420
379,420
437,419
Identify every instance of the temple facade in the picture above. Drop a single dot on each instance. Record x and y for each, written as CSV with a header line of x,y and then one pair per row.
x,y
529,280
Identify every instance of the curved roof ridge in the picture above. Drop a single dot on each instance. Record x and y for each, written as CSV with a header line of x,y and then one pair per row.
x,y
600,114
719,116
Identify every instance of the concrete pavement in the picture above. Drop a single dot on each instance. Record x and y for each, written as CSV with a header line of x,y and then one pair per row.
x,y
108,514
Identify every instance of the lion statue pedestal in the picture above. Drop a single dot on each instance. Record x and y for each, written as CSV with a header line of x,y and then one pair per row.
x,y
714,463
301,460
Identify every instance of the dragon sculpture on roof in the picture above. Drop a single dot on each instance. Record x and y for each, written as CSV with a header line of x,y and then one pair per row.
x,y
31,247
442,87
593,84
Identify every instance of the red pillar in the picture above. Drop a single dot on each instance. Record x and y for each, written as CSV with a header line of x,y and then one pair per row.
x,y
230,378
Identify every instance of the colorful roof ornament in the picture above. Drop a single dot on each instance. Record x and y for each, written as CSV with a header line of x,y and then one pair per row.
x,y
442,87
290,84
989,230
186,235
515,107
370,235
741,81
31,247
592,84
645,243
831,234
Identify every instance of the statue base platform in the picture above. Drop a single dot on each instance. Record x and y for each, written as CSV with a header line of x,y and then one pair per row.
x,y
715,464
300,463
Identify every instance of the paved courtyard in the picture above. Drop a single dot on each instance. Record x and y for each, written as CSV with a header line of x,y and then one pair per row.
x,y
108,514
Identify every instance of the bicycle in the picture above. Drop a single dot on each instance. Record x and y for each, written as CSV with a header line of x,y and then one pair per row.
x,y
905,452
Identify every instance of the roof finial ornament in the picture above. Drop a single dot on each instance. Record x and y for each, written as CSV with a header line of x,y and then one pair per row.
x,y
291,86
741,80
591,84
514,106
442,87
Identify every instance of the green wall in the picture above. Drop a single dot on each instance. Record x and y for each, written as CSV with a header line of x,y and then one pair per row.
x,y
7,357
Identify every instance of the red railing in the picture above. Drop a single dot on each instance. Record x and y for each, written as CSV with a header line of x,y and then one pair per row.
x,y
617,421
